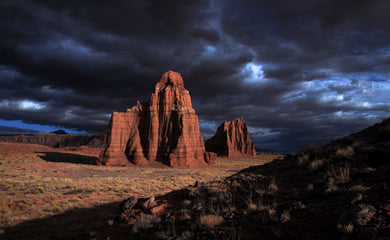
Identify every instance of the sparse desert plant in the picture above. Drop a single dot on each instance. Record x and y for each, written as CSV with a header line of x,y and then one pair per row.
x,y
369,169
185,214
345,228
187,202
110,222
273,186
340,174
252,207
146,221
271,211
310,187
303,158
358,188
56,208
75,199
39,189
211,221
260,192
285,216
345,152
316,164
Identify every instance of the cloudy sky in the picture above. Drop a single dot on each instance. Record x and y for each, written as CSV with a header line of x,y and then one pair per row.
x,y
297,71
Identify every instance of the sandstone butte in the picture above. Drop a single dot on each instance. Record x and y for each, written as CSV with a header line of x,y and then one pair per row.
x,y
164,130
232,139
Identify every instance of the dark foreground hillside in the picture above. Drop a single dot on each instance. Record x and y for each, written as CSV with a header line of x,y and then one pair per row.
x,y
337,191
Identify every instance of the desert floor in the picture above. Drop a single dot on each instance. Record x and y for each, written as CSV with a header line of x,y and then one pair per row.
x,y
39,182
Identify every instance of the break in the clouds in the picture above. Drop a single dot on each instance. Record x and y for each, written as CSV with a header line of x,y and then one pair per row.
x,y
301,71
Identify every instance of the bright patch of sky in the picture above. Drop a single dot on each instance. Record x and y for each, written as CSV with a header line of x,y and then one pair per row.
x,y
254,72
209,50
24,105
38,127
256,132
31,105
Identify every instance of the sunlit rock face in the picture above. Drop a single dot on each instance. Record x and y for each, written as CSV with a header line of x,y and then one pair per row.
x,y
232,139
164,130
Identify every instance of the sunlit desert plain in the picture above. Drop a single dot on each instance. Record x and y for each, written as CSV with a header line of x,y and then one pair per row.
x,y
39,181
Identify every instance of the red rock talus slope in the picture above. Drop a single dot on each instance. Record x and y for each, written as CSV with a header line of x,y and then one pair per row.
x,y
164,130
232,139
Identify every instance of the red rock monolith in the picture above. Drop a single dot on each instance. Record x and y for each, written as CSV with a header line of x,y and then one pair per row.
x,y
164,130
232,139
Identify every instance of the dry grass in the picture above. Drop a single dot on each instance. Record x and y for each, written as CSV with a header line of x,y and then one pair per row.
x,y
316,164
347,228
345,152
303,158
340,174
285,216
273,186
211,221
31,186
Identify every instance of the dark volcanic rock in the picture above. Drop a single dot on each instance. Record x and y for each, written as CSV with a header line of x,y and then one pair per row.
x,y
232,139
163,130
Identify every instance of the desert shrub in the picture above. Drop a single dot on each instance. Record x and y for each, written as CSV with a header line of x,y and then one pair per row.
x,y
146,221
273,186
285,216
39,189
369,169
345,228
345,152
185,214
187,202
340,174
252,207
110,222
91,190
303,158
358,188
56,208
316,164
75,199
210,221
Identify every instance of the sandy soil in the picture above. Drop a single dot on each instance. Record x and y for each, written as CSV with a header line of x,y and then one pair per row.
x,y
37,181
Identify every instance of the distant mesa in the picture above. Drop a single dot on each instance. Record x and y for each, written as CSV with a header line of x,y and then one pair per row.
x,y
58,140
232,139
59,132
164,130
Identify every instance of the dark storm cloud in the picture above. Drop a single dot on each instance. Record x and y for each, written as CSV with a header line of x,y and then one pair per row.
x,y
293,70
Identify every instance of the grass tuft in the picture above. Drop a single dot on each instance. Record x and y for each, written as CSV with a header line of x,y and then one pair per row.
x,y
211,221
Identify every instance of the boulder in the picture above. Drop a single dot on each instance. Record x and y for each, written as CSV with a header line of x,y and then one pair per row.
x,y
232,139
163,130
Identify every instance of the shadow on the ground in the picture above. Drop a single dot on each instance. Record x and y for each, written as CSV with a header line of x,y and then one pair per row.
x,y
81,223
68,158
